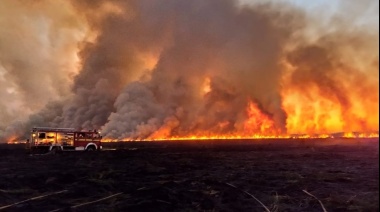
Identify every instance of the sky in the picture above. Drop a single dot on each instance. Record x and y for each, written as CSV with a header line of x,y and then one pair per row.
x,y
369,14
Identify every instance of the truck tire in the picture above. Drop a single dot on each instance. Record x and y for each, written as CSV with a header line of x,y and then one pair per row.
x,y
91,148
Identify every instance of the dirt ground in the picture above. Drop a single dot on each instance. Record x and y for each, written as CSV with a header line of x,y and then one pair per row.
x,y
195,176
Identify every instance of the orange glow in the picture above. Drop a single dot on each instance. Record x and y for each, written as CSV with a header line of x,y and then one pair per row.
x,y
206,86
313,113
349,104
259,123
15,140
254,137
360,135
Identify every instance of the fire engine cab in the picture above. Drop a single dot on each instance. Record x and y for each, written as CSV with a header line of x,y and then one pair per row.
x,y
64,139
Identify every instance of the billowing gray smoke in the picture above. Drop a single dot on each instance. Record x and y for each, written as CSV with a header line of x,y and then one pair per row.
x,y
37,63
238,49
175,67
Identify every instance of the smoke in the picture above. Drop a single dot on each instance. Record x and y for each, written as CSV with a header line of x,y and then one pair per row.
x,y
37,56
155,69
237,49
336,71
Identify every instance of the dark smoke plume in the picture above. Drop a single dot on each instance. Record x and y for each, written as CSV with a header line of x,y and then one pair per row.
x,y
240,47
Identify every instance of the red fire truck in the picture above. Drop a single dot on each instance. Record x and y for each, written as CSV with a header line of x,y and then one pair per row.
x,y
64,139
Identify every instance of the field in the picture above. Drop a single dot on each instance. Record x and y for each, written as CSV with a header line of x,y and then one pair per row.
x,y
280,175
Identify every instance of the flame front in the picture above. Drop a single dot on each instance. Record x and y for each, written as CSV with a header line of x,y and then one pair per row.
x,y
304,116
259,124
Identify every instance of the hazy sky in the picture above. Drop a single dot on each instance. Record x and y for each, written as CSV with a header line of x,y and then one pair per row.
x,y
369,15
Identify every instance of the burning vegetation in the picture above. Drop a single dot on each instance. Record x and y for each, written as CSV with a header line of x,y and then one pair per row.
x,y
216,69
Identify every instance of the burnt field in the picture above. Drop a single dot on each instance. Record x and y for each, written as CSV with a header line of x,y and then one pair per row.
x,y
281,175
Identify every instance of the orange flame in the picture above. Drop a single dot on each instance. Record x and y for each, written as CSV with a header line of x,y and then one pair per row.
x,y
258,123
310,114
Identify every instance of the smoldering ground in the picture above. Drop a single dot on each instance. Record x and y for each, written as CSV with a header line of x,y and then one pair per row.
x,y
196,176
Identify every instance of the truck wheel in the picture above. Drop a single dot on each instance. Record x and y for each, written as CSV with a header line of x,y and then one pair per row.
x,y
58,150
53,150
91,148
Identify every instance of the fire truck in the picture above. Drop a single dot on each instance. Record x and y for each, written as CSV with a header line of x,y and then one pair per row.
x,y
46,139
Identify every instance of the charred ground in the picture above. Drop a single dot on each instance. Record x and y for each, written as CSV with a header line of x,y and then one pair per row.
x,y
196,176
